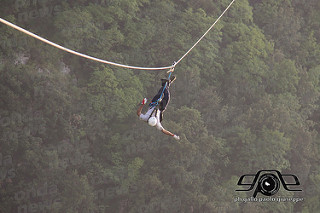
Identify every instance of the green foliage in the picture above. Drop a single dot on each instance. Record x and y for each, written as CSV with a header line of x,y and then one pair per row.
x,y
283,78
111,96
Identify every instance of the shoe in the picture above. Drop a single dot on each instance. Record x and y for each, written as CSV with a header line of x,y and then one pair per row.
x,y
172,79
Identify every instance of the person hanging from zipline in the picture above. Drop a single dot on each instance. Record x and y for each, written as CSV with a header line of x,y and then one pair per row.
x,y
158,105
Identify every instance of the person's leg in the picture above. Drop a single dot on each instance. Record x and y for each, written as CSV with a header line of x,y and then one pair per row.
x,y
157,96
168,81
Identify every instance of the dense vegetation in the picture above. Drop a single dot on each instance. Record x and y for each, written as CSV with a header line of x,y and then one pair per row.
x,y
245,99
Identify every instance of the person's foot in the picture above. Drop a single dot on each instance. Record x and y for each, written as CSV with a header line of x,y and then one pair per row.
x,y
172,79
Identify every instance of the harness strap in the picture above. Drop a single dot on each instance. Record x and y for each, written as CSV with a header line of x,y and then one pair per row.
x,y
155,110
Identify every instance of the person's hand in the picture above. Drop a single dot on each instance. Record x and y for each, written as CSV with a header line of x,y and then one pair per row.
x,y
176,137
144,101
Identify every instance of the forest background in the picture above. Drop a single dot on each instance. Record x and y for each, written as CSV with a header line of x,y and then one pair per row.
x,y
245,99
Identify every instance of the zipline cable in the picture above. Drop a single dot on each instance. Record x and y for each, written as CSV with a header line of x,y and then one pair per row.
x,y
77,53
105,61
205,33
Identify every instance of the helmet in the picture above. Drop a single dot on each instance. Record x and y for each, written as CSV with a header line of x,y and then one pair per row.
x,y
152,121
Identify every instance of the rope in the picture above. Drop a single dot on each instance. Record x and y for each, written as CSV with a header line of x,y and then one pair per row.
x,y
109,62
77,53
205,33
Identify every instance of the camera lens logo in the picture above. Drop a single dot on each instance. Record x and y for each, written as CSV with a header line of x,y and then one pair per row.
x,y
268,183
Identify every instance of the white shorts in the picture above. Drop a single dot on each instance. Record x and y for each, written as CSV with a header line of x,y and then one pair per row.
x,y
145,117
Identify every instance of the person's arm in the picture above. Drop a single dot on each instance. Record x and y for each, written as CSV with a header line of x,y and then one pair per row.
x,y
163,130
167,132
144,101
140,109
170,134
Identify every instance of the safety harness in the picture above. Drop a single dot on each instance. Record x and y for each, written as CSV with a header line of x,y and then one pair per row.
x,y
156,103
